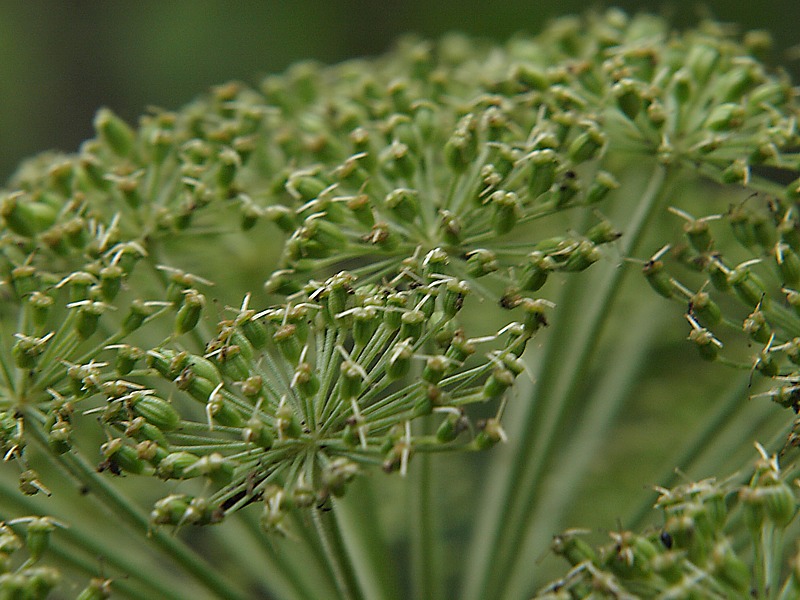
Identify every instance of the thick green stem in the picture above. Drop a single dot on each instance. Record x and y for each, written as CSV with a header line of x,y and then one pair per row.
x,y
498,539
338,558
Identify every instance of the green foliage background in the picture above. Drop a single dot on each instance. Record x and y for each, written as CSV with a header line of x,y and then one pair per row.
x,y
61,60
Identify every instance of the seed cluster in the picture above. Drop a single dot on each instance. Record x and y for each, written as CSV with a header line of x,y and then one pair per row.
x,y
693,554
403,189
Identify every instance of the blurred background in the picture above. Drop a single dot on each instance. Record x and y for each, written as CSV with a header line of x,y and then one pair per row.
x,y
60,60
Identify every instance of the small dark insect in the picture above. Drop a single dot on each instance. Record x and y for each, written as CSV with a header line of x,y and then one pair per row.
x,y
666,539
109,465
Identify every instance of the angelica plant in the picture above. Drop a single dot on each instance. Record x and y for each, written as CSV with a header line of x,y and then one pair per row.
x,y
221,325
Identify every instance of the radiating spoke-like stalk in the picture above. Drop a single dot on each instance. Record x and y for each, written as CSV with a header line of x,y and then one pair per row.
x,y
498,536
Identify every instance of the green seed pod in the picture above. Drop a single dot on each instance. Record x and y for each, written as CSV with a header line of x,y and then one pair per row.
x,y
337,474
584,255
361,208
740,221
602,233
155,410
98,589
110,282
462,148
40,306
176,465
718,275
730,569
659,280
738,172
459,349
283,216
706,343
453,297
453,425
37,537
137,314
489,434
399,360
757,328
705,309
139,429
306,380
222,411
498,382
765,231
542,172
351,380
398,161
573,549
506,211
127,357
257,432
229,164
27,350
114,132
701,62
287,422
121,456
190,311
404,203
88,318
587,145
724,117
59,438
365,322
288,343
178,509
24,280
629,97
216,467
747,286
481,262
412,323
27,217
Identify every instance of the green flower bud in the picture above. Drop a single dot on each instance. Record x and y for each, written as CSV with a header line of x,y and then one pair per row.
x,y
114,132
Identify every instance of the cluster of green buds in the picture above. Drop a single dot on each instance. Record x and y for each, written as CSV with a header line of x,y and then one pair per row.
x,y
694,553
25,576
405,191
736,276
